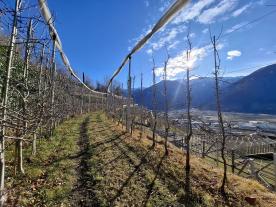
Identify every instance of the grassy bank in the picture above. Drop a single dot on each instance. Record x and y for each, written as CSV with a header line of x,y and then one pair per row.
x,y
50,175
126,170
92,162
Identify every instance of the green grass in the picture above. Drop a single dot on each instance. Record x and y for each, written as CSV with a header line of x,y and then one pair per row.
x,y
49,175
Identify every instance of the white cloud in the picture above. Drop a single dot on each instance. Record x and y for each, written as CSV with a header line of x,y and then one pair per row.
x,y
235,27
208,16
173,45
179,64
192,35
147,3
261,49
233,53
165,40
220,46
168,38
239,11
149,51
205,31
165,6
261,2
193,11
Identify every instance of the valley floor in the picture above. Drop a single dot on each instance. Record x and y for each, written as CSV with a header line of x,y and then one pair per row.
x,y
91,161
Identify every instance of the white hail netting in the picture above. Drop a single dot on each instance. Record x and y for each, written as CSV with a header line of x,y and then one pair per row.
x,y
173,10
49,20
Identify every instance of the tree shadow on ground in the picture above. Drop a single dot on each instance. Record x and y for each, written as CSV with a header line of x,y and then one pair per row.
x,y
83,194
137,168
151,185
167,178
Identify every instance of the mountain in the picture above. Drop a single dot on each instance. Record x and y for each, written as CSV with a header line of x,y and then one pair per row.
x,y
250,94
254,93
202,93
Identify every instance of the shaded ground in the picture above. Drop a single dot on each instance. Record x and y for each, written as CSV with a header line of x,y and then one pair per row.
x,y
83,194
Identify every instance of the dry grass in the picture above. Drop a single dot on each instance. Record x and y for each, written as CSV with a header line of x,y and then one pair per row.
x,y
129,172
121,170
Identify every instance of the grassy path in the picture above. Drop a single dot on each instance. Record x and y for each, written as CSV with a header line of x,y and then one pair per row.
x,y
90,161
83,194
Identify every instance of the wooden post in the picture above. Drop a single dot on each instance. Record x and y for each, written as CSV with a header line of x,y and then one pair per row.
x,y
34,144
233,160
203,148
274,163
53,74
129,97
112,103
89,103
40,70
40,97
217,151
253,169
142,103
82,94
27,51
102,103
107,102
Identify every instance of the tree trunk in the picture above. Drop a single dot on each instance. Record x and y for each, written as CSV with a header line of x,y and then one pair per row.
x,y
220,120
5,103
154,106
167,126
189,128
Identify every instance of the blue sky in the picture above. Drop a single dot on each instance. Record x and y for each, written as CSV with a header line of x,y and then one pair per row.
x,y
97,34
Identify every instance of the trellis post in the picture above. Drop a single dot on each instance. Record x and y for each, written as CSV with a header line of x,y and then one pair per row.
x,y
40,70
53,73
274,163
111,107
142,102
203,148
233,160
83,80
34,144
129,96
253,168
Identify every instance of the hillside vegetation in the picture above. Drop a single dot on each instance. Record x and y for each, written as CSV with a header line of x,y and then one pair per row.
x,y
91,161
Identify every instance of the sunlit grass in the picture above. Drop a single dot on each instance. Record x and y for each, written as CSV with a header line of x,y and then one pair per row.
x,y
50,174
